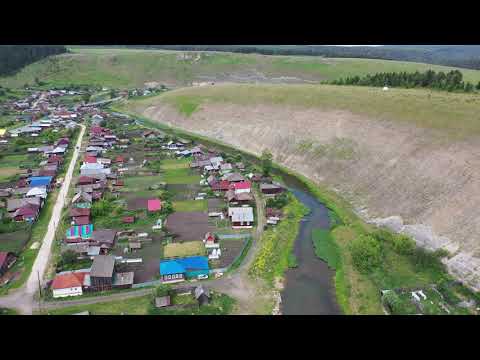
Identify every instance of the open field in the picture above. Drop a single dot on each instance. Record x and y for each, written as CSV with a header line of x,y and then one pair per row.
x,y
131,67
181,176
169,164
7,172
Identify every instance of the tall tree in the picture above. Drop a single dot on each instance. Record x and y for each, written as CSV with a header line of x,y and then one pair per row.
x,y
266,159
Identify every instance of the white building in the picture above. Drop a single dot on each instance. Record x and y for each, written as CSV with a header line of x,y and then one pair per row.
x,y
70,283
241,217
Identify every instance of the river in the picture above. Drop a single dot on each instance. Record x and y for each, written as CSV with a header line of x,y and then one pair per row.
x,y
309,288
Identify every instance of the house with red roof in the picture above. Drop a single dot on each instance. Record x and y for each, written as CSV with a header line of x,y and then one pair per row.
x,y
154,205
27,212
89,159
241,187
70,283
85,180
119,159
222,185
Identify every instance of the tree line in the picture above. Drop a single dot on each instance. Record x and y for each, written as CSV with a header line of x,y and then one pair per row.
x,y
14,57
465,56
450,81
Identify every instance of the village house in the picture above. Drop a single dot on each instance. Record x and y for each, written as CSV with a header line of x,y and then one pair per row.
x,y
101,273
241,187
241,198
70,283
15,204
79,233
177,270
241,217
270,189
104,238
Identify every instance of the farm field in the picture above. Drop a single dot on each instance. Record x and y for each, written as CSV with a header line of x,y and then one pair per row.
x,y
190,205
133,67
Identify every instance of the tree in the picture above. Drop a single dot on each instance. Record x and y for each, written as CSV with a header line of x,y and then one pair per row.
x,y
86,97
478,86
266,160
69,257
113,94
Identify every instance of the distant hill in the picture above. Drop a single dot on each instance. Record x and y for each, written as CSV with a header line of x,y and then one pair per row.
x,y
127,68
14,57
466,56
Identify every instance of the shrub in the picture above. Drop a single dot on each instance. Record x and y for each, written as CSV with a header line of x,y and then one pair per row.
x,y
278,201
392,301
426,260
403,245
366,253
163,290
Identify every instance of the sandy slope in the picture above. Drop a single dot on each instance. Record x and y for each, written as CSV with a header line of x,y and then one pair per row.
x,y
408,178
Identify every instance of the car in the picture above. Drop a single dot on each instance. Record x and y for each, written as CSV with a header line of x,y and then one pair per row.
x,y
203,276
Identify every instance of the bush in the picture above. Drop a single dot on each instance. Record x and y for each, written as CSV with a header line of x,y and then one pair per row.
x,y
402,244
278,201
366,253
426,260
163,290
392,301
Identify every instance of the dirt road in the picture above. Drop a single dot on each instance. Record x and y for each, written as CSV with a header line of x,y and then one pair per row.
x,y
22,299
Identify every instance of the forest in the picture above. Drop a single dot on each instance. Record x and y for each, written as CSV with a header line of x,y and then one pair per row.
x,y
14,57
450,81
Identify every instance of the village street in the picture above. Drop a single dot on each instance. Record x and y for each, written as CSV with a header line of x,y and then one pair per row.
x,y
23,298
236,284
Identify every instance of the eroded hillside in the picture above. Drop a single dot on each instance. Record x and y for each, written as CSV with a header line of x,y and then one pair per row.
x,y
407,159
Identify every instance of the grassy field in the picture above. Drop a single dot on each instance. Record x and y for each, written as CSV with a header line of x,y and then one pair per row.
x,y
135,306
139,183
424,108
220,304
189,248
8,172
171,164
181,176
132,67
190,205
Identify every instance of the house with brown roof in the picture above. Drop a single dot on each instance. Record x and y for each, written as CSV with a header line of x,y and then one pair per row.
x,y
104,237
101,273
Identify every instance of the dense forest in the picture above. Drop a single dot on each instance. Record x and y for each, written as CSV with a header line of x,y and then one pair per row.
x,y
14,57
465,56
450,81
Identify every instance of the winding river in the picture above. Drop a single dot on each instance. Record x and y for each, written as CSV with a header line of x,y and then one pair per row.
x,y
309,288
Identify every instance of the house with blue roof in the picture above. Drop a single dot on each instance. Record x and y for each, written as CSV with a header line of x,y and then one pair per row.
x,y
39,181
193,267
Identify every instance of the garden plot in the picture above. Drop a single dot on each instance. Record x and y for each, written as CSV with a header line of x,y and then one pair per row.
x,y
188,226
180,250
172,164
182,192
151,254
181,176
14,241
231,249
135,184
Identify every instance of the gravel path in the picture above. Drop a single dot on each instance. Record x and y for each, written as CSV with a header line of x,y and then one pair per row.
x,y
22,299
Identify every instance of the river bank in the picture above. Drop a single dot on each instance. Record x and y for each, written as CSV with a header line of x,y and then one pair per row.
x,y
356,292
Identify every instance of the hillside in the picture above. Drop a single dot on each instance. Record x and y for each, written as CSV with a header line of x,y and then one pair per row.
x,y
124,68
405,158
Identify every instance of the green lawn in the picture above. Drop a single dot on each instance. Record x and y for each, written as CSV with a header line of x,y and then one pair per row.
x,y
134,306
325,247
190,205
139,183
181,176
188,248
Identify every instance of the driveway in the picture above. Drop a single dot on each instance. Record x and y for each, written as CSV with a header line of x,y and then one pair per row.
x,y
22,299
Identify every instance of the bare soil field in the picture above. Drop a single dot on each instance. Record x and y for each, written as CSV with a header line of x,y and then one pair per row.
x,y
418,178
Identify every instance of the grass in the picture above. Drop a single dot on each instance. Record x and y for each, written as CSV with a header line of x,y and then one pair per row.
x,y
220,304
137,183
133,306
325,247
180,176
169,164
7,173
453,113
5,311
188,248
190,205
133,67
14,241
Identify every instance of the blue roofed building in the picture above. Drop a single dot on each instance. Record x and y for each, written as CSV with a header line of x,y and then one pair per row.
x,y
185,268
38,181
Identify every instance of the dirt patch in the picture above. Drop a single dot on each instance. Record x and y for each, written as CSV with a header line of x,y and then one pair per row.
x,y
384,168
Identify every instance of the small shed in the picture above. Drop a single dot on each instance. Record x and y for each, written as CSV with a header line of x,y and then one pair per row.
x,y
162,301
